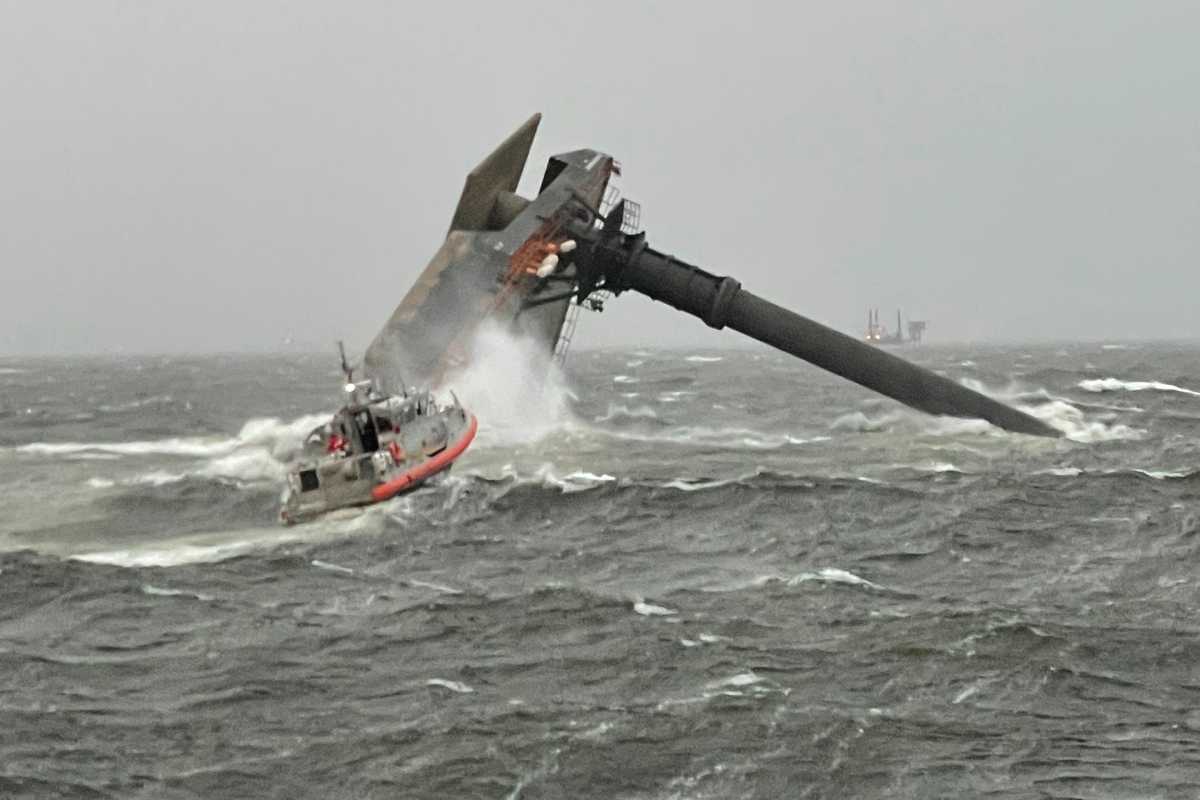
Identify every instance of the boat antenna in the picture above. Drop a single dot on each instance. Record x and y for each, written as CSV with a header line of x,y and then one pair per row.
x,y
347,370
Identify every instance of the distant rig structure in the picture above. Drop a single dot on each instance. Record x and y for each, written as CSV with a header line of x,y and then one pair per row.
x,y
878,334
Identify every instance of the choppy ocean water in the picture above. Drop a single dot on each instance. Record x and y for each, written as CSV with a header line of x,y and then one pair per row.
x,y
671,574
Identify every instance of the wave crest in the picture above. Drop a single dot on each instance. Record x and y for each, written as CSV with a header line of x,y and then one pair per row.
x,y
1098,385
1075,426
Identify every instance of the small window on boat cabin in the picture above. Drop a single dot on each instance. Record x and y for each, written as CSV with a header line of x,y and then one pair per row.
x,y
309,480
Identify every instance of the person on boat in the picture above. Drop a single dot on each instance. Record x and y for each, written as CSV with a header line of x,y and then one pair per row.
x,y
337,444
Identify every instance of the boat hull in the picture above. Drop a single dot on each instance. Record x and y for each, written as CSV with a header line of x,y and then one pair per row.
x,y
396,467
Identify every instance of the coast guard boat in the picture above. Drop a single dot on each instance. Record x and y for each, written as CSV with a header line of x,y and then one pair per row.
x,y
375,447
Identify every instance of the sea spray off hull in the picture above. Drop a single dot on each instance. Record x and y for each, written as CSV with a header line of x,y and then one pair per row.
x,y
530,264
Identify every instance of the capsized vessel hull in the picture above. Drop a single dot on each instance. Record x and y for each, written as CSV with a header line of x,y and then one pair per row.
x,y
528,264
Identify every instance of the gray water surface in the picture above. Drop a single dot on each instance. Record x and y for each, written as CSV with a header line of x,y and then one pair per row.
x,y
674,575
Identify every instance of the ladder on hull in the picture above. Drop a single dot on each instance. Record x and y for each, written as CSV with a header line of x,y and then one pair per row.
x,y
566,333
595,301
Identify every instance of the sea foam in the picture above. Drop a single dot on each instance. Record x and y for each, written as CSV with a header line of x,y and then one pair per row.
x,y
513,387
1116,385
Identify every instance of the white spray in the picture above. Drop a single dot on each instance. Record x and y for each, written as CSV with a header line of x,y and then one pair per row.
x,y
513,387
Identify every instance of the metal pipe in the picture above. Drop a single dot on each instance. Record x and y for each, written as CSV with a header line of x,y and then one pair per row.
x,y
720,302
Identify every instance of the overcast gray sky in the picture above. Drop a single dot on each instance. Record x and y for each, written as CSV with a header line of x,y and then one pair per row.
x,y
221,175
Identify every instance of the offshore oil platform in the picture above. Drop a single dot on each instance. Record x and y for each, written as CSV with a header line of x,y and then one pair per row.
x,y
531,264
878,334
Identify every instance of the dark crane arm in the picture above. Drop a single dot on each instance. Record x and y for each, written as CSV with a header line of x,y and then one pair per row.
x,y
618,261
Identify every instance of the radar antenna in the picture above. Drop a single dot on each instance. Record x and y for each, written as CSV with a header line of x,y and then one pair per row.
x,y
347,370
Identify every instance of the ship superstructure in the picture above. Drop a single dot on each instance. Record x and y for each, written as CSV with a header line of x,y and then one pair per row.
x,y
523,263
879,334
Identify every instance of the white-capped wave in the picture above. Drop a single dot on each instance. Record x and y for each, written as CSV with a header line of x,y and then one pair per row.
x,y
824,575
1163,474
254,465
704,359
965,693
937,466
1156,474
688,485
857,421
1075,426
747,678
860,422
1118,407
195,447
437,587
1116,385
275,435
832,575
158,591
546,477
204,548
956,426
279,437
11,371
619,411
171,556
640,606
724,438
704,638
577,481
743,684
684,484
331,567
157,400
1059,413
454,686
624,379
256,455
154,478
